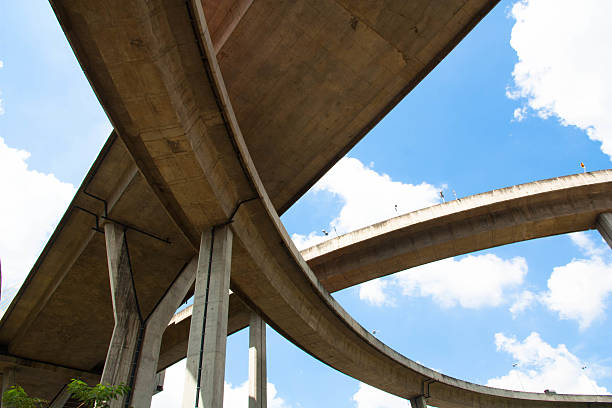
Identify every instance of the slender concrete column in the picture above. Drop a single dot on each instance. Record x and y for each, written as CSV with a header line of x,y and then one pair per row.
x,y
604,226
8,380
418,402
205,370
155,325
120,356
257,363
61,399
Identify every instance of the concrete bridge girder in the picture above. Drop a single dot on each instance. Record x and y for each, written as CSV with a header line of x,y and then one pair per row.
x,y
179,126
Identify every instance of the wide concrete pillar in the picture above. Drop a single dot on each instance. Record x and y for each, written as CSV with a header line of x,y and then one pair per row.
x,y
604,226
418,402
120,356
205,371
146,380
257,363
8,380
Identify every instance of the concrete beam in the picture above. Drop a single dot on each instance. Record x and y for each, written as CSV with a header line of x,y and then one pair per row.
x,y
498,217
604,226
128,321
222,18
258,381
7,360
205,369
155,325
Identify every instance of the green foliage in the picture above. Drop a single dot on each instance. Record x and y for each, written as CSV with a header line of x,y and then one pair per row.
x,y
98,396
16,397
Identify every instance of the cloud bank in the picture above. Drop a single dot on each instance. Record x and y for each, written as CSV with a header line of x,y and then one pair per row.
x,y
368,197
32,204
564,64
540,366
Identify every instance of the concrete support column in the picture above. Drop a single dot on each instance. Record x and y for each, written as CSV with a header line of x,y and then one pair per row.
x,y
61,399
604,226
8,380
146,374
205,369
120,356
258,381
418,402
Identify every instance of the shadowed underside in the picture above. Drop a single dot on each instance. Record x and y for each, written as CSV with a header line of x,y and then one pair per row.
x,y
307,80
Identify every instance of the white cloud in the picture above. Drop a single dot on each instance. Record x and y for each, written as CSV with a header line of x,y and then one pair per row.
x,y
473,281
369,197
587,245
539,366
564,63
173,387
522,302
373,292
306,241
370,397
233,396
580,289
519,114
238,397
32,203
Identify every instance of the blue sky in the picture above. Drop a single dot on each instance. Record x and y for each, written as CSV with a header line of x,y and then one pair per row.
x,y
520,99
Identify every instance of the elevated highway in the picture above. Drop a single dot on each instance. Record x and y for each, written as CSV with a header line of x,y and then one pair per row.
x,y
322,72
528,211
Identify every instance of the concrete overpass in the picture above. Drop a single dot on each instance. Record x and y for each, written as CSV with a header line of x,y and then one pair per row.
x,y
508,215
182,187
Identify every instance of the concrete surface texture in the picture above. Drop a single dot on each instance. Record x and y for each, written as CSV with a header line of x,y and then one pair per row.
x,y
258,383
604,226
205,368
180,166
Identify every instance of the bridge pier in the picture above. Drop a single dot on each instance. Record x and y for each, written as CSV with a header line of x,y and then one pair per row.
x,y
8,380
128,319
205,368
154,326
604,226
258,381
418,402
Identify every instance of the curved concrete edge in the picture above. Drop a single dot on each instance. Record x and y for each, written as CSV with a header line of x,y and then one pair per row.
x,y
460,207
451,384
498,217
377,238
288,290
282,242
